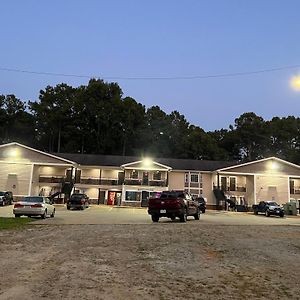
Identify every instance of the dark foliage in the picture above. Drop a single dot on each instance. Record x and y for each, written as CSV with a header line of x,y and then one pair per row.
x,y
97,119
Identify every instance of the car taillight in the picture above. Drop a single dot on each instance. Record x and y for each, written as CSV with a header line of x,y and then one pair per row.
x,y
18,205
37,205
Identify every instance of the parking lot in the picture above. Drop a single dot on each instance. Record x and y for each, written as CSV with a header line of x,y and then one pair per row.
x,y
103,214
118,253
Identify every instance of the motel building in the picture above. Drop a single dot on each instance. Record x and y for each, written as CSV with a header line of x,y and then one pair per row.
x,y
130,181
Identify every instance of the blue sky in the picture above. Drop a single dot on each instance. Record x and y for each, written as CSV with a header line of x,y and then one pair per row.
x,y
159,39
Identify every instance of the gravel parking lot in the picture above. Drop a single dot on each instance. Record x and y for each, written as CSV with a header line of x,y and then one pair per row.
x,y
217,257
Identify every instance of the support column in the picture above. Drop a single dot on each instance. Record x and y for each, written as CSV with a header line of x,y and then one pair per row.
x,y
289,189
254,187
30,180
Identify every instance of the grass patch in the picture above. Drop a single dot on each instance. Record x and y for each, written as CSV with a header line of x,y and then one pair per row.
x,y
10,223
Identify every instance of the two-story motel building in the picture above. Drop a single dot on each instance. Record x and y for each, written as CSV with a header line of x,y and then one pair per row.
x,y
130,181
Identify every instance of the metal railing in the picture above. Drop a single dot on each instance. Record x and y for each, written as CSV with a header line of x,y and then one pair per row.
x,y
51,179
139,181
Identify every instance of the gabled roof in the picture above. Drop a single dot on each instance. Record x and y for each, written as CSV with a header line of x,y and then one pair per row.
x,y
259,161
267,166
142,164
21,153
118,161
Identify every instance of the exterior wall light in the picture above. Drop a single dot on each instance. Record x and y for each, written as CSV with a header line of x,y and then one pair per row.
x,y
147,162
13,153
273,166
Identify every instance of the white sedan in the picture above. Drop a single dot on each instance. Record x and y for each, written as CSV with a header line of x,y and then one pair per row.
x,y
34,206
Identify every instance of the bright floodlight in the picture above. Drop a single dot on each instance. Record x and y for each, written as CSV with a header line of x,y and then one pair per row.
x,y
147,162
13,153
295,83
273,165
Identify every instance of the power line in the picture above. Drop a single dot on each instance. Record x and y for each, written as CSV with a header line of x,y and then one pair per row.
x,y
221,75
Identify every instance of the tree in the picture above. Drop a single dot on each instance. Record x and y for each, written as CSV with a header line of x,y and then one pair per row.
x,y
131,116
251,132
52,113
16,124
201,145
284,138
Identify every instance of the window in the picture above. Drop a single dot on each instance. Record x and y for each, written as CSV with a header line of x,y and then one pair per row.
x,y
232,183
132,196
134,174
157,175
195,178
186,177
223,184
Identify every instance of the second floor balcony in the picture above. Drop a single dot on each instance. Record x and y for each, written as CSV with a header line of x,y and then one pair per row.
x,y
98,181
51,179
241,189
145,182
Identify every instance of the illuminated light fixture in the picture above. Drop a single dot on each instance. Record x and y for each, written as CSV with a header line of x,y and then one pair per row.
x,y
147,162
13,153
295,83
273,165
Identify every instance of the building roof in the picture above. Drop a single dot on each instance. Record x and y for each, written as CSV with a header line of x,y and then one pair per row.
x,y
118,161
18,153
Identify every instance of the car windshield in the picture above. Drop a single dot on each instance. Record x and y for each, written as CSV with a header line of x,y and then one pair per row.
x,y
272,203
33,199
2,193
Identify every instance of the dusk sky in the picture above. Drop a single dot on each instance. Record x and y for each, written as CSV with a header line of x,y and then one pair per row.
x,y
166,38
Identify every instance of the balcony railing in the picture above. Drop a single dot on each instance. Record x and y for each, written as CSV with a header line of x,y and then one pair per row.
x,y
296,191
97,181
241,189
193,184
138,181
234,189
51,179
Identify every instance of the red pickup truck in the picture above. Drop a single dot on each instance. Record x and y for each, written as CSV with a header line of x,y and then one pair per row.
x,y
173,204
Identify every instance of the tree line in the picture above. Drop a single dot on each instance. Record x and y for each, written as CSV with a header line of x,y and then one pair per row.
x,y
97,119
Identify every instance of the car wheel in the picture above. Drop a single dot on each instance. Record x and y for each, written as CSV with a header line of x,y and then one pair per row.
x,y
173,218
44,215
53,213
155,218
197,215
17,216
256,212
183,217
281,215
68,207
267,213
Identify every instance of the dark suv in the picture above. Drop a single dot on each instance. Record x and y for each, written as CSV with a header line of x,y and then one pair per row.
x,y
6,198
79,201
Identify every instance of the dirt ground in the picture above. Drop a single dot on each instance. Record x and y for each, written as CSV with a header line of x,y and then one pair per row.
x,y
150,261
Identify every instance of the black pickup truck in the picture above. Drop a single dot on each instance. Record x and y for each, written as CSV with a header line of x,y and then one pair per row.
x,y
268,208
172,204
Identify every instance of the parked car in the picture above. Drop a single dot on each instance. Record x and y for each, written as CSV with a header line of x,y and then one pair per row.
x,y
173,204
34,206
6,198
79,201
268,208
202,204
